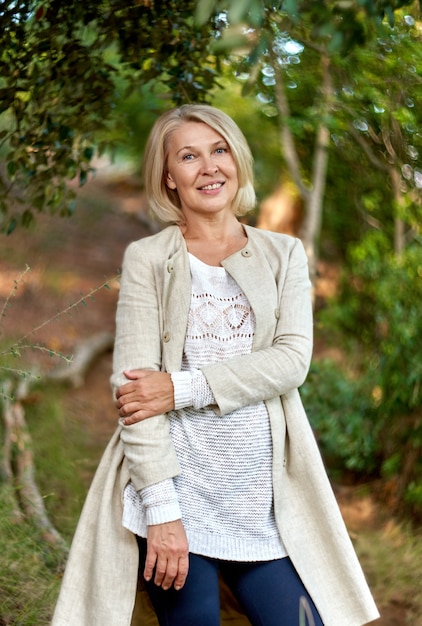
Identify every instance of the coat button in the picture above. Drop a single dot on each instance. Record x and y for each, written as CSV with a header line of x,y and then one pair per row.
x,y
170,267
166,337
246,253
277,313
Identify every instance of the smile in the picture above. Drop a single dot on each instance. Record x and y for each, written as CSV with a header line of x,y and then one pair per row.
x,y
210,187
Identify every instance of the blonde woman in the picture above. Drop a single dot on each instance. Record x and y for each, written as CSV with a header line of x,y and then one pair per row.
x,y
213,471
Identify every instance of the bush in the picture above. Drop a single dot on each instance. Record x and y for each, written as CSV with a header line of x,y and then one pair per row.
x,y
377,314
341,412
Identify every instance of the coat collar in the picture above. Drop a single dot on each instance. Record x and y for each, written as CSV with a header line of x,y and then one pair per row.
x,y
252,272
250,269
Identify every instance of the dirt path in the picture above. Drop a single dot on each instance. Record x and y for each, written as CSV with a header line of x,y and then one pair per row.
x,y
69,257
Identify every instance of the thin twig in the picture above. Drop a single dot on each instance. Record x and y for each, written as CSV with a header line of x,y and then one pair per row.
x,y
18,344
13,291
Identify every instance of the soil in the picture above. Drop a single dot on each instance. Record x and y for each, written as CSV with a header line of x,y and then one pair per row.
x,y
68,259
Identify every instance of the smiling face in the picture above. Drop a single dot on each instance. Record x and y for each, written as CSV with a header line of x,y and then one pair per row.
x,y
201,168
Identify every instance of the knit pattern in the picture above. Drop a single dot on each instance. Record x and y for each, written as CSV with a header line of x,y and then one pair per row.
x,y
225,487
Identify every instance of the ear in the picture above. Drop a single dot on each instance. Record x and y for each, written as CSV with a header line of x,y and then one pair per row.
x,y
169,181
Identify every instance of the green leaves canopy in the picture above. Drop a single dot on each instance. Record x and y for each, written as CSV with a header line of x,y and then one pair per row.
x,y
60,68
62,65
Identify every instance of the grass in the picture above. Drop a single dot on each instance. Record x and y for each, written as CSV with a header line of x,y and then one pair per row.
x,y
392,561
64,455
30,569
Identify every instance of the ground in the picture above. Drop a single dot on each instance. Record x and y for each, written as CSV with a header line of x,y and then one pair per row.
x,y
69,258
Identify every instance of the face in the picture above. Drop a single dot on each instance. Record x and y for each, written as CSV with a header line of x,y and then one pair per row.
x,y
200,166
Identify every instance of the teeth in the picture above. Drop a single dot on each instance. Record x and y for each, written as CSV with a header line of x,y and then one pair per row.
x,y
214,186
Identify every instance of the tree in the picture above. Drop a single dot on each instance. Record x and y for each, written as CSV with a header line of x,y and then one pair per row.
x,y
302,62
62,66
381,115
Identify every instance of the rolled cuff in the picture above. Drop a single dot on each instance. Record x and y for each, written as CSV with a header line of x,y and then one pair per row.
x,y
182,384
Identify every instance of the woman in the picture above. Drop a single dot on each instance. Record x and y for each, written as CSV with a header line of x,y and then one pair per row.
x,y
214,467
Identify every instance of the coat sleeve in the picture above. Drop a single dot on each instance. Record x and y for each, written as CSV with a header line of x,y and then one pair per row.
x,y
147,445
281,366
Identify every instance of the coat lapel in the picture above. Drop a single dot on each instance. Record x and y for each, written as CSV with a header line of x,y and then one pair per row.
x,y
252,272
176,303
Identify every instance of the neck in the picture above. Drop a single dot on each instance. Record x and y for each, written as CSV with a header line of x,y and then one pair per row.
x,y
213,241
212,229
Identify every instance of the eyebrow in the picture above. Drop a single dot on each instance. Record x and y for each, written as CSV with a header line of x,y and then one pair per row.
x,y
213,145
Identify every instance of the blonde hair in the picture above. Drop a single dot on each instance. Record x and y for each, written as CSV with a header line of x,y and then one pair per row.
x,y
163,202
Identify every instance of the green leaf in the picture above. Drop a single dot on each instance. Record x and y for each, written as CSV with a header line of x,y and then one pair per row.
x,y
11,168
27,218
290,6
88,153
83,177
11,225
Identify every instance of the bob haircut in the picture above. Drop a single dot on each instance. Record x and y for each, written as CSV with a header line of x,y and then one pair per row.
x,y
164,203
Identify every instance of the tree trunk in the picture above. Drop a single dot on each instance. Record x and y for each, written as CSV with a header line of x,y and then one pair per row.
x,y
313,197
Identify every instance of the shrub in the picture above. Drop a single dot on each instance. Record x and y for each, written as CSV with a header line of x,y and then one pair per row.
x,y
377,314
342,414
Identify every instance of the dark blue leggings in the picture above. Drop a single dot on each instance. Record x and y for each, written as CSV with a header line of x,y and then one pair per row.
x,y
270,593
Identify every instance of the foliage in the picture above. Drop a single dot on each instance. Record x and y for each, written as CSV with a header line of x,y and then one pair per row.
x,y
64,67
376,134
369,102
342,24
61,67
61,441
341,411
378,311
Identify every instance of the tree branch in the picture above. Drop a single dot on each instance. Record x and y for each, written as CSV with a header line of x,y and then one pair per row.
x,y
287,139
17,463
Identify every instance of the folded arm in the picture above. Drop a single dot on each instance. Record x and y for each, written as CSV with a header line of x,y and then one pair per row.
x,y
263,374
148,447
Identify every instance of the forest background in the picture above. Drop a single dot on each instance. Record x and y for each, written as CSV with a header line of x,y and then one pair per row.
x,y
329,96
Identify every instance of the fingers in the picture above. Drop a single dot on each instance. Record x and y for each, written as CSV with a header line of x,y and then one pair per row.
x,y
150,562
136,417
167,572
167,554
182,573
135,374
150,393
131,375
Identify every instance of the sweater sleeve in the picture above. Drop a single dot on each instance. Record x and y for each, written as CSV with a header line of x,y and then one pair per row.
x,y
191,389
161,503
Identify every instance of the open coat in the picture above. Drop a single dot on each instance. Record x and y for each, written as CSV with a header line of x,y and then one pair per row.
x,y
100,582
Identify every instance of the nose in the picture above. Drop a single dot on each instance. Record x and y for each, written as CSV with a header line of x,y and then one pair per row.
x,y
209,166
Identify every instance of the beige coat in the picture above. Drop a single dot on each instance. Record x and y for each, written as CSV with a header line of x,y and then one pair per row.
x,y
99,585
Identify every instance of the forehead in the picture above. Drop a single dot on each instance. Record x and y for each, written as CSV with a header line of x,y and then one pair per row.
x,y
191,134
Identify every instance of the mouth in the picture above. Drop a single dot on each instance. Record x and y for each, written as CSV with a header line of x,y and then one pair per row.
x,y
211,187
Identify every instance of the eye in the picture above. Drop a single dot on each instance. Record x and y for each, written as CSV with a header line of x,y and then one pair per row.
x,y
221,150
187,157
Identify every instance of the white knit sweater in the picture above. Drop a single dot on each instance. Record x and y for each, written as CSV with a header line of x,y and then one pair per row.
x,y
224,492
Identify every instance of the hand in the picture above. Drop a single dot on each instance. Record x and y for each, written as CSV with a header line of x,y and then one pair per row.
x,y
167,551
147,394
